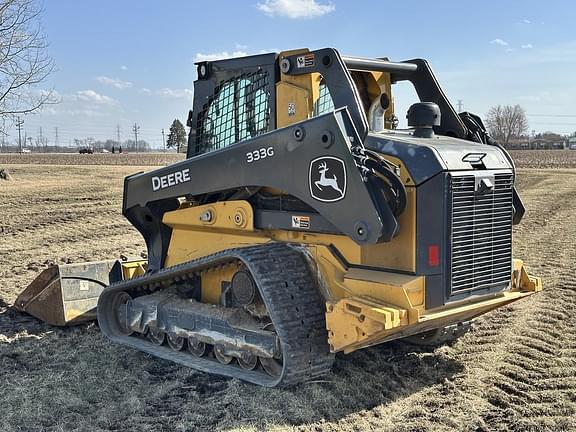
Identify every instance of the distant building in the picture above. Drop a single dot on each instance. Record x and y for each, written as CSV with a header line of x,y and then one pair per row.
x,y
539,143
547,142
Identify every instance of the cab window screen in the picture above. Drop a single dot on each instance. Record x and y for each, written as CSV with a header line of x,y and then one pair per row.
x,y
238,110
324,103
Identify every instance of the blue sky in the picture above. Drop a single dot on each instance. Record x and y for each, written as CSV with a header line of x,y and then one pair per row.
x,y
126,62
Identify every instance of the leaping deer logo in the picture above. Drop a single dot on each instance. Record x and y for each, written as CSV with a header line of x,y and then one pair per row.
x,y
327,181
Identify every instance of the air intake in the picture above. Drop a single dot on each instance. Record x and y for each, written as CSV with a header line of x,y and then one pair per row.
x,y
423,116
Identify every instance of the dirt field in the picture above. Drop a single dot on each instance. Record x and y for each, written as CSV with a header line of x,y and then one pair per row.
x,y
523,158
90,159
516,371
544,158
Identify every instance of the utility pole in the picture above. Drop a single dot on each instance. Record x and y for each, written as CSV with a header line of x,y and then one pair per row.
x,y
42,140
3,132
19,124
118,137
460,105
136,128
56,136
164,140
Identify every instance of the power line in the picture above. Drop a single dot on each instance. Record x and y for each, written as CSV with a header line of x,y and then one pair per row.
x,y
551,115
554,123
65,134
163,139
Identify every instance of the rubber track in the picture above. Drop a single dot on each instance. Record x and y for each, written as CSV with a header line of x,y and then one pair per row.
x,y
290,294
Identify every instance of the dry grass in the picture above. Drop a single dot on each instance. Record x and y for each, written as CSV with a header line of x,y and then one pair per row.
x,y
515,371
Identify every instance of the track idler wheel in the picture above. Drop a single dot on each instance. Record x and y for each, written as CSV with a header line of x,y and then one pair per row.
x,y
272,366
119,306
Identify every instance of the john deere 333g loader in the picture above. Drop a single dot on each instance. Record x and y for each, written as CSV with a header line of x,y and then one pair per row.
x,y
304,223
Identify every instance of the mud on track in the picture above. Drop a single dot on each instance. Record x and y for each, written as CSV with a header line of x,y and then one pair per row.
x,y
515,371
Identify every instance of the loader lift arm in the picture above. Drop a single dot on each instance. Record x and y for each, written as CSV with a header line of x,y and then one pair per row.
x,y
359,214
336,71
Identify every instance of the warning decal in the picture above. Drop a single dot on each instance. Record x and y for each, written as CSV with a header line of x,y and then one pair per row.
x,y
301,222
305,61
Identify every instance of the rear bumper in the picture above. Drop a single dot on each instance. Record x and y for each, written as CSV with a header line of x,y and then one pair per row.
x,y
360,321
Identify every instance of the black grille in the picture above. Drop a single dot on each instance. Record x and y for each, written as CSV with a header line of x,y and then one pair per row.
x,y
238,110
480,233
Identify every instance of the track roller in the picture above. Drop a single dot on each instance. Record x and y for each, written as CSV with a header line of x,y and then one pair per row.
x,y
197,347
219,353
156,336
248,361
175,342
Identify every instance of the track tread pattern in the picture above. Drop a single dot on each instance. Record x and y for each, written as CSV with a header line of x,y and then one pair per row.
x,y
289,291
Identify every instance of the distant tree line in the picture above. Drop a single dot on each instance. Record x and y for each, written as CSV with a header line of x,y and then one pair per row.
x,y
77,144
508,125
177,140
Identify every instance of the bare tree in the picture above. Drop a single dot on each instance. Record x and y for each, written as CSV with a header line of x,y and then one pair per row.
x,y
41,142
24,60
506,123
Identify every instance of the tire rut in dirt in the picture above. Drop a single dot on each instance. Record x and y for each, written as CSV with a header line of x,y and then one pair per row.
x,y
533,375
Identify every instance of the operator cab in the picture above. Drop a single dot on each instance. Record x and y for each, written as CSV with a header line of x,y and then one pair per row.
x,y
246,97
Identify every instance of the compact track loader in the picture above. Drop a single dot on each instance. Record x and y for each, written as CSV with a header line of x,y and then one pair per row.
x,y
304,223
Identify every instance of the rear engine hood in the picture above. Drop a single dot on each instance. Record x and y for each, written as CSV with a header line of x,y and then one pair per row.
x,y
426,157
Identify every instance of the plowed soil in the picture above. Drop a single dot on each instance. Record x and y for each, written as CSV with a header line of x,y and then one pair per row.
x,y
91,159
516,371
